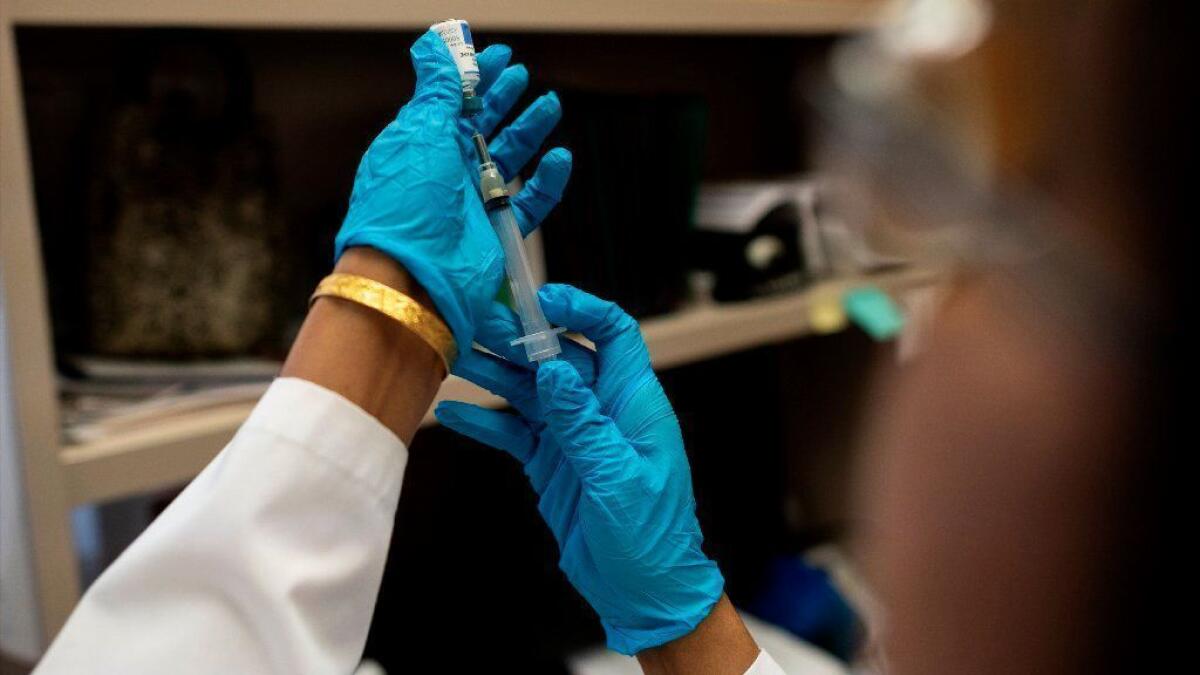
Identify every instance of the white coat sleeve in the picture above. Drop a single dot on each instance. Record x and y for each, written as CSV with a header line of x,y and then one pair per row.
x,y
269,562
764,665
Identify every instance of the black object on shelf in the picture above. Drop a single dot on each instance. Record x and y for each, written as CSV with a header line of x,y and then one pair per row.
x,y
621,227
764,260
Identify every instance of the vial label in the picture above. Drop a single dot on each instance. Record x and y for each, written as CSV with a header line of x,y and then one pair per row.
x,y
457,36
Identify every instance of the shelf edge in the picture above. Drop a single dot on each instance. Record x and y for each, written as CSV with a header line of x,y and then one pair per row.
x,y
171,453
614,16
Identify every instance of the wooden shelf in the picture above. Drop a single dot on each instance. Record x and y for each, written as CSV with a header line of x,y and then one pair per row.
x,y
173,451
613,16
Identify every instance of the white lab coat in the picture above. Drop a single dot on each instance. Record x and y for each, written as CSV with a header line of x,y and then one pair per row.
x,y
269,562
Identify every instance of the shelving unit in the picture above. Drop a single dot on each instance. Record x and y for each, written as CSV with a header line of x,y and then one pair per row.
x,y
174,451
58,477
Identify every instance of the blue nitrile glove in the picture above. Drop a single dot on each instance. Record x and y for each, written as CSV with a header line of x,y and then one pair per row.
x,y
602,448
416,193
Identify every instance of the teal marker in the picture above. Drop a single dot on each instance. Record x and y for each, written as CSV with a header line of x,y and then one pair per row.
x,y
873,311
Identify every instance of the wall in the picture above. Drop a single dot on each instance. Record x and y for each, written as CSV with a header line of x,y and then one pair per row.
x,y
19,635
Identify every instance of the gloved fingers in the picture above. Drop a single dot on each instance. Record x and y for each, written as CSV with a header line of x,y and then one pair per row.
x,y
502,378
591,442
615,334
501,97
548,465
491,427
543,192
517,143
558,489
501,326
496,331
438,81
492,62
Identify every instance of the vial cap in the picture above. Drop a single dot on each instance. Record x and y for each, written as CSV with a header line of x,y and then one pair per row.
x,y
472,105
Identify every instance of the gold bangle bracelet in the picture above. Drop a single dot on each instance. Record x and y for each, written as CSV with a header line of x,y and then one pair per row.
x,y
394,304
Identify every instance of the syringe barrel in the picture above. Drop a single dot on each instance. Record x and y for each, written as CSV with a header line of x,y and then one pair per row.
x,y
540,340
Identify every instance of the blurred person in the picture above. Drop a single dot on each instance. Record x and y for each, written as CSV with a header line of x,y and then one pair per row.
x,y
1013,493
270,561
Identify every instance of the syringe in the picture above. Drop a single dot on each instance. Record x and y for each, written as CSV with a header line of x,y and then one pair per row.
x,y
540,340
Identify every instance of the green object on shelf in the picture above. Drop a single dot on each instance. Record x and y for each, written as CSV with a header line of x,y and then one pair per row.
x,y
872,310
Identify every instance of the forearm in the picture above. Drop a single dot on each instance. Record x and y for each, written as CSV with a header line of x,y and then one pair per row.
x,y
720,644
365,356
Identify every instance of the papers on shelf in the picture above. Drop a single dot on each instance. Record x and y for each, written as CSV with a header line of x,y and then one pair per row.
x,y
114,396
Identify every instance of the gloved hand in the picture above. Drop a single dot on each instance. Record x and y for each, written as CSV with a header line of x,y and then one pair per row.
x,y
602,447
416,193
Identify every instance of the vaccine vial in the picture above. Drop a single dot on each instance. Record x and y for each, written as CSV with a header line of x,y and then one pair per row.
x,y
456,33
